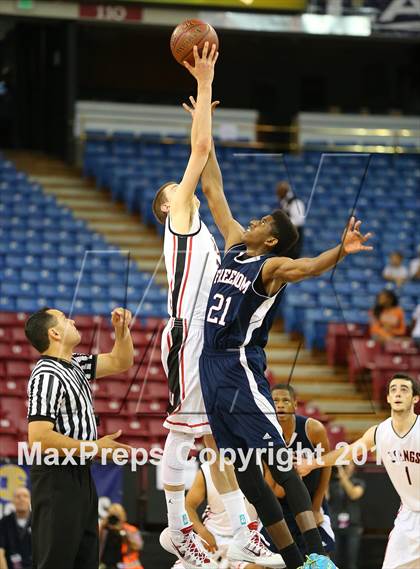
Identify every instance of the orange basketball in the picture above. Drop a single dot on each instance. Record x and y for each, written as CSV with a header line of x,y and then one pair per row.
x,y
188,34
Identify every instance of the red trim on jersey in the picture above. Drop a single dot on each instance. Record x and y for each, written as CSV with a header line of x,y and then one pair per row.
x,y
186,273
186,424
171,287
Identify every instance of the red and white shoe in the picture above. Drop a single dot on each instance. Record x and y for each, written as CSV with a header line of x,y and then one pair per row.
x,y
249,545
186,545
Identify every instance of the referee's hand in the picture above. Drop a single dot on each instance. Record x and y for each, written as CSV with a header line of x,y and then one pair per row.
x,y
109,442
121,319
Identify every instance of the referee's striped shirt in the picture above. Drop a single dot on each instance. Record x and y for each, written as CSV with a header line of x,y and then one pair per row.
x,y
60,392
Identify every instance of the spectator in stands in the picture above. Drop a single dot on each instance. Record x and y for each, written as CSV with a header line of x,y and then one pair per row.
x,y
395,271
415,332
15,533
414,269
346,515
295,209
119,542
387,318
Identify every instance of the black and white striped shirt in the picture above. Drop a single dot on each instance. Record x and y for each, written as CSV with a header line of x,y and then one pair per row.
x,y
60,392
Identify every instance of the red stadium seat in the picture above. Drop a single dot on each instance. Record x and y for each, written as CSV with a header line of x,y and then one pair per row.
x,y
385,366
18,369
338,340
12,387
156,427
336,434
415,362
15,351
7,426
12,318
107,406
361,356
8,446
401,346
18,334
13,406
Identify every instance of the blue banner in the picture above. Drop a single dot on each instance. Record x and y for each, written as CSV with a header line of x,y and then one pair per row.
x,y
108,479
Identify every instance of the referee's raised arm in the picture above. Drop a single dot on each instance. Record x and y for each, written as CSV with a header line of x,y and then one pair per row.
x,y
61,418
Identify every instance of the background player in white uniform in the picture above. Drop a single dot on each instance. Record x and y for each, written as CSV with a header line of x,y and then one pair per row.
x,y
397,442
191,258
214,526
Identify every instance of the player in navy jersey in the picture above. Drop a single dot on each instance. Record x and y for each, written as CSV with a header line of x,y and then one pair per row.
x,y
302,435
242,304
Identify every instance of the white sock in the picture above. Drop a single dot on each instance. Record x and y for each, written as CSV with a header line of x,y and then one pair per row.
x,y
234,503
177,514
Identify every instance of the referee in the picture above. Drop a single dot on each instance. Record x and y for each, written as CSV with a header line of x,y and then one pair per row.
x,y
61,416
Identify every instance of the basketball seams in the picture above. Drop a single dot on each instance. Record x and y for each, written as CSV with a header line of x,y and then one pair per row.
x,y
175,41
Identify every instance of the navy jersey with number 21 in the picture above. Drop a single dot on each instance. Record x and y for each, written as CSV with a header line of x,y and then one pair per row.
x,y
237,315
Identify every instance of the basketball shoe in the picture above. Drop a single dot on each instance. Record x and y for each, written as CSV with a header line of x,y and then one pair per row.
x,y
186,545
315,561
249,545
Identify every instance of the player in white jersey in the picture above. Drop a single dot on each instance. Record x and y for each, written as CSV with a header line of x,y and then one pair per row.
x,y
397,442
214,526
192,258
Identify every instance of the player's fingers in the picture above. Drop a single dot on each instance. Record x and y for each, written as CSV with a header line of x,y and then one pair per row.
x,y
115,435
366,248
215,57
212,52
188,66
205,50
192,101
357,225
187,108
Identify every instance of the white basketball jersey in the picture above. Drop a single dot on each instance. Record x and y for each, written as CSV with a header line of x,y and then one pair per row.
x,y
401,458
191,262
215,517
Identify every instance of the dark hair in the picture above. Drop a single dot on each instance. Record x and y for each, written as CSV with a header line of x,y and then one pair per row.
x,y
398,253
36,329
377,309
284,231
285,387
158,201
414,383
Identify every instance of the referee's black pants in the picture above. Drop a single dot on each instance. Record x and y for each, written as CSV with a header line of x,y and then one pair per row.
x,y
64,518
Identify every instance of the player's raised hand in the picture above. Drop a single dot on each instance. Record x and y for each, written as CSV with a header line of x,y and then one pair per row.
x,y
353,240
191,109
203,69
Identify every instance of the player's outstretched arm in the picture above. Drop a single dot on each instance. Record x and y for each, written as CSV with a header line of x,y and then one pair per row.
x,y
212,185
182,202
341,455
282,269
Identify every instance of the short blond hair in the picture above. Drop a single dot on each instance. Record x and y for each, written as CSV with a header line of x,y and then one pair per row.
x,y
158,201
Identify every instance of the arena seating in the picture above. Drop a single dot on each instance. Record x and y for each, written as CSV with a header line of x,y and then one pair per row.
x,y
388,202
48,257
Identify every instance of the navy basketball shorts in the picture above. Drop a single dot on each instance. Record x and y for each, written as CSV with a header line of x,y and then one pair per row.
x,y
238,401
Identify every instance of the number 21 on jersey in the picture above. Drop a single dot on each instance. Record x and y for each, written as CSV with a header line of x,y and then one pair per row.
x,y
221,305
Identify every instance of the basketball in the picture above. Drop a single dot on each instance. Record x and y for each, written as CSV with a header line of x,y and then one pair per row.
x,y
188,34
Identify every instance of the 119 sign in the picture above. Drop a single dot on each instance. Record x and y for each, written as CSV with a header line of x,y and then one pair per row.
x,y
108,13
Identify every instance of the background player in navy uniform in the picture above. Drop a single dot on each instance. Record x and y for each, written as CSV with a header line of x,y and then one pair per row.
x,y
302,433
242,304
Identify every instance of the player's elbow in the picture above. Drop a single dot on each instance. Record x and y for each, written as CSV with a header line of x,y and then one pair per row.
x,y
202,146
